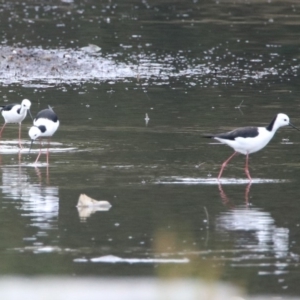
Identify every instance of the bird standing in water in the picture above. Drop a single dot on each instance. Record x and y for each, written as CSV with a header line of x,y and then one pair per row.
x,y
45,125
15,113
248,140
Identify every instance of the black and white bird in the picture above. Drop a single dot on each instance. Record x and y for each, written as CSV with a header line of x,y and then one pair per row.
x,y
45,125
15,113
248,140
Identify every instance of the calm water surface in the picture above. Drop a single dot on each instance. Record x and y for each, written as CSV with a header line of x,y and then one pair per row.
x,y
193,68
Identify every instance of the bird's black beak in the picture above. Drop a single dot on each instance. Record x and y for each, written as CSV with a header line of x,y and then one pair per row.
x,y
30,114
294,126
31,145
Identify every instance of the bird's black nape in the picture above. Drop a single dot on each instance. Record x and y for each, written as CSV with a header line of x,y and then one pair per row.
x,y
42,128
270,126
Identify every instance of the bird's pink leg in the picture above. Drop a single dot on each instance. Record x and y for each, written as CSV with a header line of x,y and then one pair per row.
x,y
2,129
20,156
39,152
247,169
47,172
247,193
47,156
20,145
224,164
48,151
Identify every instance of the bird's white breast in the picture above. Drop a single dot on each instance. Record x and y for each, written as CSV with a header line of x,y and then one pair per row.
x,y
12,116
250,144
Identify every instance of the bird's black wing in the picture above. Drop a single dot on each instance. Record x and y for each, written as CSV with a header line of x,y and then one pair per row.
x,y
7,107
47,114
244,132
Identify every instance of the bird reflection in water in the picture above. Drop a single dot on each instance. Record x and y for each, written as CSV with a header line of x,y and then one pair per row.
x,y
9,148
257,237
40,176
36,200
226,200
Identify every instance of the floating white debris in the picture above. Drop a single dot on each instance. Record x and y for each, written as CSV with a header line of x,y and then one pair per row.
x,y
91,48
147,119
86,201
115,259
87,206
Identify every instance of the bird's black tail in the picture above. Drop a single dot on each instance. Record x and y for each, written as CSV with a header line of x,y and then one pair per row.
x,y
208,136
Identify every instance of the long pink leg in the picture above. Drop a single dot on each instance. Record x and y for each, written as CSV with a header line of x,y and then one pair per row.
x,y
20,156
2,129
39,152
247,193
224,164
48,152
247,168
20,145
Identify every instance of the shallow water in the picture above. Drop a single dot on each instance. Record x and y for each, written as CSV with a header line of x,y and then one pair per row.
x,y
132,116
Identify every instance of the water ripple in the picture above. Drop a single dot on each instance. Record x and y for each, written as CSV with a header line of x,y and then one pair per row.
x,y
46,67
213,181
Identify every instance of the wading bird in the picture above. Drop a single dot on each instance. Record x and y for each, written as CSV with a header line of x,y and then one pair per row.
x,y
15,113
44,126
247,140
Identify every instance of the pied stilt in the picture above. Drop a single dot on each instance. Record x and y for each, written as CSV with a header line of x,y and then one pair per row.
x,y
44,125
248,140
15,113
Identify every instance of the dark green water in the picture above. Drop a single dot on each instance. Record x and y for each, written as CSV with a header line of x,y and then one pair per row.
x,y
196,67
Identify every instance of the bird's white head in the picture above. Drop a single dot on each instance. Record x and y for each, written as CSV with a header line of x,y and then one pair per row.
x,y
282,120
26,104
34,133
